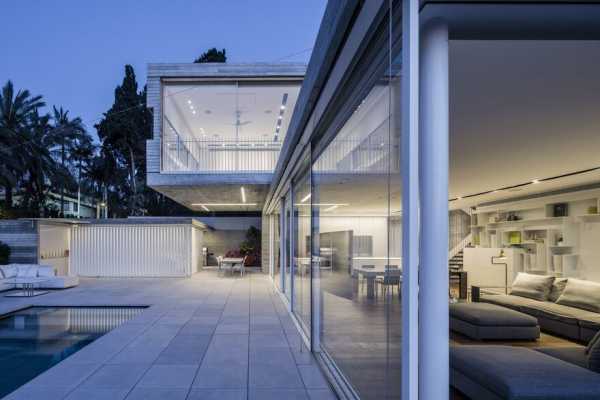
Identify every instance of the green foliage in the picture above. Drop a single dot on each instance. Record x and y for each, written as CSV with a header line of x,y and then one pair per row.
x,y
4,253
212,55
33,159
252,244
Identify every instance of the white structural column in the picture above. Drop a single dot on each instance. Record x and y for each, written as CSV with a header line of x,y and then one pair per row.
x,y
433,273
409,157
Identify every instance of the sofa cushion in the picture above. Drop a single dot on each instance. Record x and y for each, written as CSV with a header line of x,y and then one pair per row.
x,y
558,286
581,294
571,354
514,302
9,271
566,314
535,287
521,373
485,314
26,271
45,271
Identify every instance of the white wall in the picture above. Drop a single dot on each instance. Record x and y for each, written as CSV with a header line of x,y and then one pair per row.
x,y
54,247
132,250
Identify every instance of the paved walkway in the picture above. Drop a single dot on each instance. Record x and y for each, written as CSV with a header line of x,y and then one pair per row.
x,y
202,338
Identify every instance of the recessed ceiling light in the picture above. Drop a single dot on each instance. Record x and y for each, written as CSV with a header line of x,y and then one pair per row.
x,y
283,107
193,112
189,102
535,181
280,117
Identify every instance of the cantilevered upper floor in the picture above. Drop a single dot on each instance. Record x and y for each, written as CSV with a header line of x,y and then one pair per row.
x,y
218,130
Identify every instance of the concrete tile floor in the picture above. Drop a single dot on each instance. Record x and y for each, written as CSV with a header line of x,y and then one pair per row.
x,y
207,337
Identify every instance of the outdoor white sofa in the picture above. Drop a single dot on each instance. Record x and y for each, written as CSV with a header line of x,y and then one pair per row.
x,y
11,271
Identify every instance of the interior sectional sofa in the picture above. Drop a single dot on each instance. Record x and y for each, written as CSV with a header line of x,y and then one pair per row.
x,y
563,306
51,281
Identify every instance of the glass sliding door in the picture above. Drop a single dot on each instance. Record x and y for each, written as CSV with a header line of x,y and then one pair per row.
x,y
302,249
357,195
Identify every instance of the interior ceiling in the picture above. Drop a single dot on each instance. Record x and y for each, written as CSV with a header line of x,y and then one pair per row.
x,y
229,110
210,195
519,111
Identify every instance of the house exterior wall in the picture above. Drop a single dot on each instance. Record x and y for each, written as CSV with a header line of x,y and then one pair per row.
x,y
130,250
22,238
54,246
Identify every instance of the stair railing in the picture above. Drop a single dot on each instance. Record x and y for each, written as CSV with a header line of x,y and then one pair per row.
x,y
460,246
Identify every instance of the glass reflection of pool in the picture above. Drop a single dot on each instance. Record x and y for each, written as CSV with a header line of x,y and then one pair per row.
x,y
34,339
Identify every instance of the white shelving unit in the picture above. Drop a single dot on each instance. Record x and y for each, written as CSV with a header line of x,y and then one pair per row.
x,y
547,244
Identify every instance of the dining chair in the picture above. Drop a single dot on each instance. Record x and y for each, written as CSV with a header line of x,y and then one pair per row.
x,y
391,278
363,280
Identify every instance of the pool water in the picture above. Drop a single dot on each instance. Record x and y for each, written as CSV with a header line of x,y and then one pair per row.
x,y
33,340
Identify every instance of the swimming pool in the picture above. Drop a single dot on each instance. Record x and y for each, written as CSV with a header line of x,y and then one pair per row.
x,y
36,338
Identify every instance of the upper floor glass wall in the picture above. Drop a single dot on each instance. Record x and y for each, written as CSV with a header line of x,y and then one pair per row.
x,y
225,126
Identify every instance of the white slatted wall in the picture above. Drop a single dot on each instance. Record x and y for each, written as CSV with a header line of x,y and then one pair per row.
x,y
132,250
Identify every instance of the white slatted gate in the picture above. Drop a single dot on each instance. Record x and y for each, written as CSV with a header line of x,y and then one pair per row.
x,y
131,250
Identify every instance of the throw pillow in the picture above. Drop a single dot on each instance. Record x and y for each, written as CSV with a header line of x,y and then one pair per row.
x,y
9,271
535,287
581,294
557,288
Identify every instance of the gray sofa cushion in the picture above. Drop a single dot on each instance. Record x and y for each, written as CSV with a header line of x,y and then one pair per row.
x,y
506,300
574,355
519,373
486,314
558,286
581,294
535,287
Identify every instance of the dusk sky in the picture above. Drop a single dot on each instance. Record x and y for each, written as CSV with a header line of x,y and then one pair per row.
x,y
73,52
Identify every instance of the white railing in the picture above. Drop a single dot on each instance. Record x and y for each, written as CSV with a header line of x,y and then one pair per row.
x,y
220,156
460,246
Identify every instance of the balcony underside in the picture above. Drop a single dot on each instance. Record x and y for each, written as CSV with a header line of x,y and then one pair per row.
x,y
214,192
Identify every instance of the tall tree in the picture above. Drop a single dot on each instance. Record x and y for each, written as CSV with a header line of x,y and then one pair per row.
x,y
212,55
123,132
42,170
15,112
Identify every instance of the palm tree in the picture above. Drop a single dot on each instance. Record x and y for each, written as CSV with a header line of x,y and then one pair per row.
x,y
42,171
15,112
71,132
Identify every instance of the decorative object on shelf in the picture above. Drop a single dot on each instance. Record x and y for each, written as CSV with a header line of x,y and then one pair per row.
x,y
560,241
560,210
514,238
513,217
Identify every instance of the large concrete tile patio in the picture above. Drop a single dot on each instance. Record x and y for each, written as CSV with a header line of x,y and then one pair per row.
x,y
207,337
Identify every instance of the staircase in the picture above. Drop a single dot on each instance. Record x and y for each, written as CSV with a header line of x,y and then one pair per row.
x,y
456,262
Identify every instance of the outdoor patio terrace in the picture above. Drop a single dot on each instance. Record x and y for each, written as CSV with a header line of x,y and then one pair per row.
x,y
207,337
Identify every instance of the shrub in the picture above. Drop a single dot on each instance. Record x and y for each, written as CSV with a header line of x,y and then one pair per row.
x,y
4,253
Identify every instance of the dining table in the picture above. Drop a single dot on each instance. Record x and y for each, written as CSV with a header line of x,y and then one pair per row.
x,y
231,262
370,273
